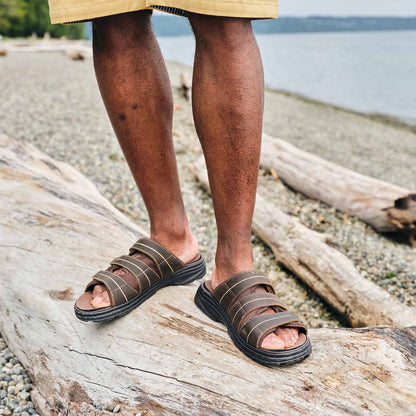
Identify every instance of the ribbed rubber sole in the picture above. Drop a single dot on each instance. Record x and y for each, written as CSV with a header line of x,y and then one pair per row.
x,y
209,305
193,271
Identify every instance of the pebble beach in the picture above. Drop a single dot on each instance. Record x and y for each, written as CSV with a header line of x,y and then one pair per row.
x,y
54,104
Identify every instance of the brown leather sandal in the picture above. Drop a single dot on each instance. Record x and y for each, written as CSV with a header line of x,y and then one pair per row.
x,y
227,304
171,271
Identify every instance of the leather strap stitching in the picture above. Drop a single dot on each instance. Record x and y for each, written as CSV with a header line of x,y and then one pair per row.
x,y
151,248
118,286
266,320
119,262
235,284
250,301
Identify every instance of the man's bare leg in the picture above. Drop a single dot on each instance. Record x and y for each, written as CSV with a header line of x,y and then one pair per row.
x,y
136,91
228,110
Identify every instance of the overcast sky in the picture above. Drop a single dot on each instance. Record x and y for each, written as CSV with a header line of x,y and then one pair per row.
x,y
347,7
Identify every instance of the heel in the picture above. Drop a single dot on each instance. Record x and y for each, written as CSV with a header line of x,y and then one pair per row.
x,y
205,307
190,273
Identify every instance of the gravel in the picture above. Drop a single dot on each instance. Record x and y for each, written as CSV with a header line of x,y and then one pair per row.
x,y
54,103
15,385
373,148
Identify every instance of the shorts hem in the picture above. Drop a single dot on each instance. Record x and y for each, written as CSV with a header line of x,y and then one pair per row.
x,y
67,15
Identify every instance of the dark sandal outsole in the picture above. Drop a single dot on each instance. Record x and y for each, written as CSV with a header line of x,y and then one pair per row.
x,y
210,307
191,272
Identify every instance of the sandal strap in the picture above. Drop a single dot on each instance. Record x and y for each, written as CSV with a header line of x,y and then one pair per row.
x,y
302,329
227,292
166,262
248,304
119,290
144,274
255,329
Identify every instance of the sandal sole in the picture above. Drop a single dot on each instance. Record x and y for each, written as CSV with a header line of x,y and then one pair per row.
x,y
193,271
273,358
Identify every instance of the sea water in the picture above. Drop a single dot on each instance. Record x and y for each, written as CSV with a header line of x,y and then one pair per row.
x,y
373,72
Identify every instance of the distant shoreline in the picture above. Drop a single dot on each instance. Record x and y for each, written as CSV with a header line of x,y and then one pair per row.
x,y
378,117
166,25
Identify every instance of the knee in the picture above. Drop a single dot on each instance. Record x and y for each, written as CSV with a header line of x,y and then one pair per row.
x,y
230,32
120,29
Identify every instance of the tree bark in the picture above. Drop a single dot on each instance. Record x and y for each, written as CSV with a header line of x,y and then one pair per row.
x,y
166,357
387,207
325,270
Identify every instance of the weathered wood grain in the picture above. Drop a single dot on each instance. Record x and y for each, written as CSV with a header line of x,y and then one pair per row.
x,y
327,271
387,207
166,357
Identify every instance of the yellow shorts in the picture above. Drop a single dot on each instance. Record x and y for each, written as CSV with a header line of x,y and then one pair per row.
x,y
70,11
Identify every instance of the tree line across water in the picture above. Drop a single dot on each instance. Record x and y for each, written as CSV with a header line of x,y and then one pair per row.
x,y
22,18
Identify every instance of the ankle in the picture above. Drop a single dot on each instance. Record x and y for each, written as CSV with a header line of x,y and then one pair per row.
x,y
181,242
221,274
231,263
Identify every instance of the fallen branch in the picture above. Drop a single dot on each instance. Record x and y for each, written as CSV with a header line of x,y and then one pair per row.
x,y
75,55
48,45
387,207
185,86
325,270
166,357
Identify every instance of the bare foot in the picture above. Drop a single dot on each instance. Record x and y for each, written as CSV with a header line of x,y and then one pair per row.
x,y
186,250
277,340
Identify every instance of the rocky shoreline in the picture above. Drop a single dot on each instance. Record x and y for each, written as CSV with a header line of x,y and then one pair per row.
x,y
15,385
54,103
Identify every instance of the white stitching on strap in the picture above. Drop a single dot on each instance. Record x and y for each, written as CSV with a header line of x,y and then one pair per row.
x,y
267,320
170,267
143,271
240,281
121,290
241,307
147,267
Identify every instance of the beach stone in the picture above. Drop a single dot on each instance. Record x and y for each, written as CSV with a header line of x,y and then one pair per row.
x,y
24,395
14,392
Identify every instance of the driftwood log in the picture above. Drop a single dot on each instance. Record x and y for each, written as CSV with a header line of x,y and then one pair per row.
x,y
166,357
75,54
48,45
387,207
327,271
185,87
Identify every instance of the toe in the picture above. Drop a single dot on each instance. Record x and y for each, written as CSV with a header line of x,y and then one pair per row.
x,y
288,335
293,335
100,297
273,342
